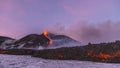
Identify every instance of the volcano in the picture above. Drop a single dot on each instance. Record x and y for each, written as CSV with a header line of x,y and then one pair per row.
x,y
29,41
37,41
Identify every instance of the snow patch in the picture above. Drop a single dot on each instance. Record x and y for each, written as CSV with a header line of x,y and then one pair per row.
x,y
6,43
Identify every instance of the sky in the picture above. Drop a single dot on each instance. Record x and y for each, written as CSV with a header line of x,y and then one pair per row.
x,y
83,20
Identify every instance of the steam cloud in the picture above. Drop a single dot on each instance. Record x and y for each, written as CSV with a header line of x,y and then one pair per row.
x,y
88,32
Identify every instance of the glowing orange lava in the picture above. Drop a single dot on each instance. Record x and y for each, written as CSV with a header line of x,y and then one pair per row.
x,y
104,56
50,42
47,35
100,55
45,32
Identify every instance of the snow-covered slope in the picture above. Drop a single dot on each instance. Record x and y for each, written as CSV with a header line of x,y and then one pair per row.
x,y
13,61
63,41
5,42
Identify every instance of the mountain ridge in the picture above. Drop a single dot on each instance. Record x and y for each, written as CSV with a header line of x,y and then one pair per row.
x,y
37,40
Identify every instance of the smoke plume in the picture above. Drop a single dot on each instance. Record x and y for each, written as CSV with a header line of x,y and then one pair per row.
x,y
88,32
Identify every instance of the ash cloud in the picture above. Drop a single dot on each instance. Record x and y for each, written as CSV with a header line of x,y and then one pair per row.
x,y
88,32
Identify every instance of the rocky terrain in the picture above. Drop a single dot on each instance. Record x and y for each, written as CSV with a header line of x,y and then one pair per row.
x,y
102,52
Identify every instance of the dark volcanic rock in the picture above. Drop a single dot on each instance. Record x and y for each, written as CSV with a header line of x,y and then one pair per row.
x,y
32,40
103,52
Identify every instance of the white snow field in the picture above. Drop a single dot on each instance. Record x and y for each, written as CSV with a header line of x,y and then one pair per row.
x,y
13,61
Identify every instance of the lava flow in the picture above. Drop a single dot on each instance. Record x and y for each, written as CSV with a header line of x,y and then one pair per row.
x,y
46,34
99,56
104,56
